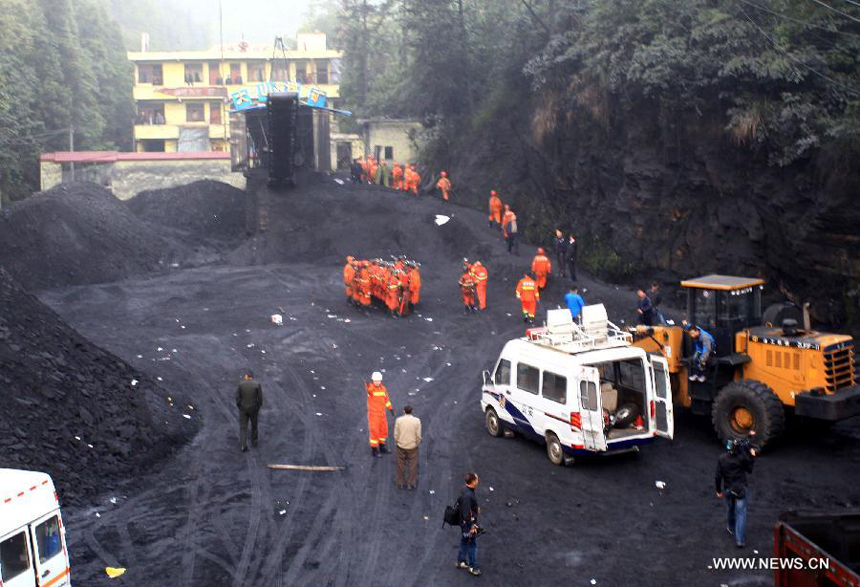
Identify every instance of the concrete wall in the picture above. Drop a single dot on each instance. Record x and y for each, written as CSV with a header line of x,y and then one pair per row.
x,y
127,178
392,134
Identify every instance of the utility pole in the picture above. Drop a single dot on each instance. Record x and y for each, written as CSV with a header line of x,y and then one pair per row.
x,y
72,149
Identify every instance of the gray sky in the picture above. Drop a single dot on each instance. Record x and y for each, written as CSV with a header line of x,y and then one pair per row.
x,y
260,20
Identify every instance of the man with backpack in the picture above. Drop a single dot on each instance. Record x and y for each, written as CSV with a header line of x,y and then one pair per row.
x,y
467,557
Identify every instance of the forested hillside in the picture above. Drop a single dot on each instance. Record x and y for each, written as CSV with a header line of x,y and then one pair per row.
x,y
62,64
676,137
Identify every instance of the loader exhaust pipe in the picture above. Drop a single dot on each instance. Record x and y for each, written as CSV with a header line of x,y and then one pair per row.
x,y
807,321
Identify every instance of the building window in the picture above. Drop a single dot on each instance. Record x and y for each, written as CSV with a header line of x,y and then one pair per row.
x,y
149,73
215,78
280,70
256,71
389,153
150,114
214,112
322,71
152,145
302,72
235,74
194,112
193,73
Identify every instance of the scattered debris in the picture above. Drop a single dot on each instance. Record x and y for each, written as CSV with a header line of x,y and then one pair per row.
x,y
660,484
441,219
277,320
305,467
114,572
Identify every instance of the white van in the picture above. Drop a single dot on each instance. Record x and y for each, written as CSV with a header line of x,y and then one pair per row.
x,y
33,549
580,388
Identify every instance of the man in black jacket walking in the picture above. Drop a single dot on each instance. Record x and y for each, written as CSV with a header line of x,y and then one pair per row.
x,y
467,557
730,480
559,244
571,257
249,400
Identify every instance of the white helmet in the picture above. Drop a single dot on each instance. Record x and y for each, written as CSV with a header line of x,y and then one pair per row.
x,y
377,376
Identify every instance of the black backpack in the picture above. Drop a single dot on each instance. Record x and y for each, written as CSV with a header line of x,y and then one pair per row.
x,y
452,514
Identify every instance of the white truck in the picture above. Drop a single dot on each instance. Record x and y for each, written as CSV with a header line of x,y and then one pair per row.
x,y
33,549
579,388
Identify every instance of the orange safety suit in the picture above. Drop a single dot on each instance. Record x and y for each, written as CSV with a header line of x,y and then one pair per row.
x,y
444,184
506,220
377,422
364,285
392,294
479,274
528,294
414,182
372,166
541,267
495,210
414,286
363,163
348,277
467,288
397,177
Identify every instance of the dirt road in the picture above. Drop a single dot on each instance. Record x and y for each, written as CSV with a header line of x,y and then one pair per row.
x,y
215,516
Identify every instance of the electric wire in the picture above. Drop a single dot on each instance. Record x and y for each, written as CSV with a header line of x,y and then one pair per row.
x,y
799,21
845,14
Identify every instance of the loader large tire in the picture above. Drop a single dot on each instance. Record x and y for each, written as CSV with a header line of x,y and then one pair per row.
x,y
747,405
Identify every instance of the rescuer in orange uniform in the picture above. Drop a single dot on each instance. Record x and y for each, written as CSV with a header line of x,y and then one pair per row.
x,y
479,274
414,278
528,294
541,267
348,278
372,167
364,284
377,423
397,177
392,294
414,180
444,184
467,287
363,162
495,209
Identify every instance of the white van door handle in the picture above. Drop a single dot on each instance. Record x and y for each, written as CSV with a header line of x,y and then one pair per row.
x,y
507,393
46,573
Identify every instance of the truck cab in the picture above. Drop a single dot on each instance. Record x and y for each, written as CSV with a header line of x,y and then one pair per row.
x,y
33,549
578,388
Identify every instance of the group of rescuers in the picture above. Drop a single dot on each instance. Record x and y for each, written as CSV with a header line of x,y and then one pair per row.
x,y
391,175
397,284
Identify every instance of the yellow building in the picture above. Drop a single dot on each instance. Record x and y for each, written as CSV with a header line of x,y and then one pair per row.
x,y
183,97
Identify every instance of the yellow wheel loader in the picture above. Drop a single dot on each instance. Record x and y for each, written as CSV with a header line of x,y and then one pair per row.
x,y
760,368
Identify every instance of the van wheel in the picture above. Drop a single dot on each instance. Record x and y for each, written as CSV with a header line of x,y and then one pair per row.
x,y
554,450
494,426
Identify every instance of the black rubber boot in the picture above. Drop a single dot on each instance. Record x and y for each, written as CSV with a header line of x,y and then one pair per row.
x,y
382,448
374,451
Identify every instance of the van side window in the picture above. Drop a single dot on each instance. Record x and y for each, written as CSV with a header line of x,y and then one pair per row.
x,y
503,373
48,539
14,559
554,387
588,395
528,378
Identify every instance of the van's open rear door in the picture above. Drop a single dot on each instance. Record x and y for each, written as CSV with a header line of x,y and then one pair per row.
x,y
52,565
662,413
591,412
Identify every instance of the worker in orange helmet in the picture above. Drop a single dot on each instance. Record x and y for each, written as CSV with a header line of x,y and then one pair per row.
x,y
467,287
372,168
541,268
392,293
414,285
528,294
348,278
364,284
377,422
495,209
363,162
444,185
416,181
479,274
397,177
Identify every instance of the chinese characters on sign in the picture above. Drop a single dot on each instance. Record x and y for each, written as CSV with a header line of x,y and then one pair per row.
x,y
242,99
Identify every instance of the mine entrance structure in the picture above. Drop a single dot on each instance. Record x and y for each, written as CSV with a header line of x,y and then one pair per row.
x,y
578,388
764,365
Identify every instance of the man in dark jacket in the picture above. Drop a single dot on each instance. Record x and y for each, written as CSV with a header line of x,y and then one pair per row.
x,y
656,300
249,400
467,557
355,171
644,308
571,257
559,244
730,480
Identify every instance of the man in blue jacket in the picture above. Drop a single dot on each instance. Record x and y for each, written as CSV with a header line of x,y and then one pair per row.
x,y
467,556
574,303
704,349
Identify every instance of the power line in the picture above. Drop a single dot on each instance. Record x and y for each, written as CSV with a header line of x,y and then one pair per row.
x,y
797,20
34,137
798,61
852,2
845,14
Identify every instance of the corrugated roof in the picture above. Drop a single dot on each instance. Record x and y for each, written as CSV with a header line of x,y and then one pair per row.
x,y
726,282
111,156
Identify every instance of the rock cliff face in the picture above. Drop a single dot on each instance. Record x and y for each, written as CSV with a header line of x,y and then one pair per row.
x,y
675,195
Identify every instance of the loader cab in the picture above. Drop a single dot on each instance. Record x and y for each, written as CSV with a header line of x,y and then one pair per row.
x,y
724,305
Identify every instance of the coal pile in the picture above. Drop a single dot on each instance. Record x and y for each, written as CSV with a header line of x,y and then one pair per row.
x,y
208,209
73,410
78,233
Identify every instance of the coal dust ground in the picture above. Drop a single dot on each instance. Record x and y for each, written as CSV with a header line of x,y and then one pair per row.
x,y
211,515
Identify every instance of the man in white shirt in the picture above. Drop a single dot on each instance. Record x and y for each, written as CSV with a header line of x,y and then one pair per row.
x,y
407,437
